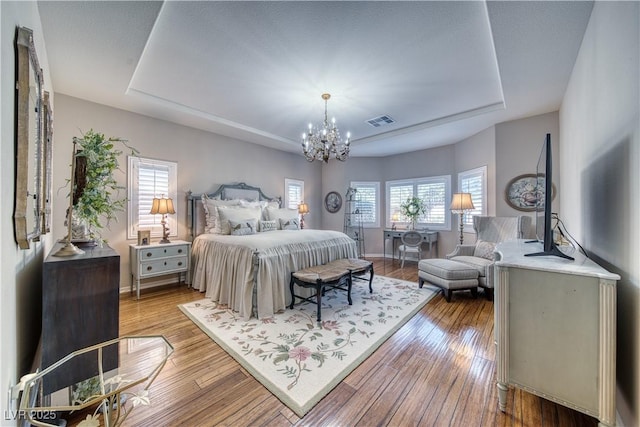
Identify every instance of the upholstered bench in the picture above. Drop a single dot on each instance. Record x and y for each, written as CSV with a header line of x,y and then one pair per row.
x,y
449,275
337,274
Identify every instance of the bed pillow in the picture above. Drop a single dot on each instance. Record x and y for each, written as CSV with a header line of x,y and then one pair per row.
x,y
266,225
484,250
278,214
212,219
290,224
243,228
238,214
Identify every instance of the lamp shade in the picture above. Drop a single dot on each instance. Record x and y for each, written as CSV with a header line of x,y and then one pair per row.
x,y
461,202
162,206
303,208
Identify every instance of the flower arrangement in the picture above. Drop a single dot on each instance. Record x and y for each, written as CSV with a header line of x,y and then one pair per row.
x,y
412,208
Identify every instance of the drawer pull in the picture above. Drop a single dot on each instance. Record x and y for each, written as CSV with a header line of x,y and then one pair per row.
x,y
149,268
180,264
179,251
165,251
149,254
165,263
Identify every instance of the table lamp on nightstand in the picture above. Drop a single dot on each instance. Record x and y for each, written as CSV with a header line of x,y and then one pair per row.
x,y
163,206
303,209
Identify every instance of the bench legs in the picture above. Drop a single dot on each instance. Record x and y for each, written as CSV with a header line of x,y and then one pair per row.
x,y
319,286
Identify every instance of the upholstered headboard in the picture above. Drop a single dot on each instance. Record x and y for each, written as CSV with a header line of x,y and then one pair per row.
x,y
195,210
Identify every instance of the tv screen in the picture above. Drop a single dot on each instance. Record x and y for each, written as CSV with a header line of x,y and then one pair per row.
x,y
544,194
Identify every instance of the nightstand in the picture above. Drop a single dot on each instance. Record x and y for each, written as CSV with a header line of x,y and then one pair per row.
x,y
158,259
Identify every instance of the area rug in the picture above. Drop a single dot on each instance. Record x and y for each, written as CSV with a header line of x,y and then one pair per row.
x,y
300,360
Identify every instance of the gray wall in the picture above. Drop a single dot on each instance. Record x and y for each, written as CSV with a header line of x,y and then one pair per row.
x,y
600,171
205,161
518,146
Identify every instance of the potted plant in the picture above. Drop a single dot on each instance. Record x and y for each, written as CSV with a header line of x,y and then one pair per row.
x,y
412,208
96,193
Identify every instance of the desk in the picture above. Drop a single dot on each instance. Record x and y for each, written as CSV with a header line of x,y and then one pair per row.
x,y
429,237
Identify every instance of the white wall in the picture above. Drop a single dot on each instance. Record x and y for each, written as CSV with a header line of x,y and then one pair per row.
x,y
205,161
600,171
21,269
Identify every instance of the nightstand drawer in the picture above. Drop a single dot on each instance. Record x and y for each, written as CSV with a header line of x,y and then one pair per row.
x,y
163,266
161,252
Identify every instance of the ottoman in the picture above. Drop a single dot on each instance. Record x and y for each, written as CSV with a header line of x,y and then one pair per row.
x,y
449,275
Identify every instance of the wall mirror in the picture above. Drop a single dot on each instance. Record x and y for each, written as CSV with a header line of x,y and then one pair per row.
x,y
47,153
29,169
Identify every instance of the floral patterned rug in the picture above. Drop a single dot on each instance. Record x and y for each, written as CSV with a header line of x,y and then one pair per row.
x,y
300,360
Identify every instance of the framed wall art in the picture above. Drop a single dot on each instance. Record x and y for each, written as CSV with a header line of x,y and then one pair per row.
x,y
333,201
523,192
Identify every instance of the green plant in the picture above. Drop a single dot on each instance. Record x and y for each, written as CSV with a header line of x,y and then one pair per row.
x,y
96,191
412,208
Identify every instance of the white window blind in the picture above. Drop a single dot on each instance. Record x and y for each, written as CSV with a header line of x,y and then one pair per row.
x,y
367,199
474,181
293,192
435,192
149,178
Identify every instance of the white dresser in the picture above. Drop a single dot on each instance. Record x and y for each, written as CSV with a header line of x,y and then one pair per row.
x,y
158,259
555,329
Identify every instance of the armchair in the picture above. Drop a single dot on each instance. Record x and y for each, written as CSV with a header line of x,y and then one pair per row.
x,y
489,231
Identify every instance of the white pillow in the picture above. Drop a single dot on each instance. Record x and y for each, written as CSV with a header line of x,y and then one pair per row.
x,y
278,214
484,250
289,224
237,214
212,219
243,228
267,225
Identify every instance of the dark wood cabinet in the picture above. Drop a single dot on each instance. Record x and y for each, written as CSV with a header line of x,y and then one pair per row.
x,y
80,308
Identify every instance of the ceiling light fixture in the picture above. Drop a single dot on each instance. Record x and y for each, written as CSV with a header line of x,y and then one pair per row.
x,y
325,143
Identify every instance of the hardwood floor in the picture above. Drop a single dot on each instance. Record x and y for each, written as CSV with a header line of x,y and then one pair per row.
x,y
437,370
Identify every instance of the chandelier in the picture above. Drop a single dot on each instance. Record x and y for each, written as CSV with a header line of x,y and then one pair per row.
x,y
325,143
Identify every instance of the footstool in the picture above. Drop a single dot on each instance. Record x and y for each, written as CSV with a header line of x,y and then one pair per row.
x,y
449,275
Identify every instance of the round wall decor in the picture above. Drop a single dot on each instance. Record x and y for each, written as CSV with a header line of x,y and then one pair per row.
x,y
333,201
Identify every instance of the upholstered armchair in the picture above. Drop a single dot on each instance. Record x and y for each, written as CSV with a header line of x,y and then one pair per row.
x,y
490,230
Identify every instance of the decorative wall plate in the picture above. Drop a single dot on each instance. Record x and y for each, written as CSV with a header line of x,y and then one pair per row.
x,y
333,201
523,192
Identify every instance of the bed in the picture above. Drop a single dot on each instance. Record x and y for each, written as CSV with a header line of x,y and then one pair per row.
x,y
250,270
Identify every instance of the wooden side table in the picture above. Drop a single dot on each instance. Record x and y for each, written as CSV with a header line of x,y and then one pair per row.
x,y
158,259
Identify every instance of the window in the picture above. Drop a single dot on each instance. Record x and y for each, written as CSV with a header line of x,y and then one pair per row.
x,y
367,201
474,181
434,191
149,178
293,193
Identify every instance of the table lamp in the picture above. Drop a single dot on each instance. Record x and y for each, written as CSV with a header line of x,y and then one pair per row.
x,y
303,209
461,203
163,206
395,217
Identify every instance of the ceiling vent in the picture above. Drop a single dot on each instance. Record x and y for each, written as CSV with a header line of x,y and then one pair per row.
x,y
376,122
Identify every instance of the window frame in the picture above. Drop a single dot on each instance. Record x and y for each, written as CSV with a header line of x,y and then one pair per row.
x,y
415,182
295,182
376,208
133,199
470,173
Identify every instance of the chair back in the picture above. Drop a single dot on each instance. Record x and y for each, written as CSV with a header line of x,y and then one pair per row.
x,y
411,238
497,229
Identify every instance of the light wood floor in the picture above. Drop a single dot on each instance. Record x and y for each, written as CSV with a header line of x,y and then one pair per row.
x,y
437,370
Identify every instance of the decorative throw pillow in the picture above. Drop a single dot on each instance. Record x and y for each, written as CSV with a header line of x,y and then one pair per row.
x,y
290,224
279,214
242,228
212,219
268,225
484,250
238,214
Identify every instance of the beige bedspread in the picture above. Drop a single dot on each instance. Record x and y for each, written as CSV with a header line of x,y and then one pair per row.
x,y
224,266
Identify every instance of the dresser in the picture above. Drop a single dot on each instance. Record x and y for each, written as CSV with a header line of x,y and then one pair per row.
x,y
158,259
555,329
80,308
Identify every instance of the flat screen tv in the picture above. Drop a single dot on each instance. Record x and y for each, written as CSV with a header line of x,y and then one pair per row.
x,y
544,192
